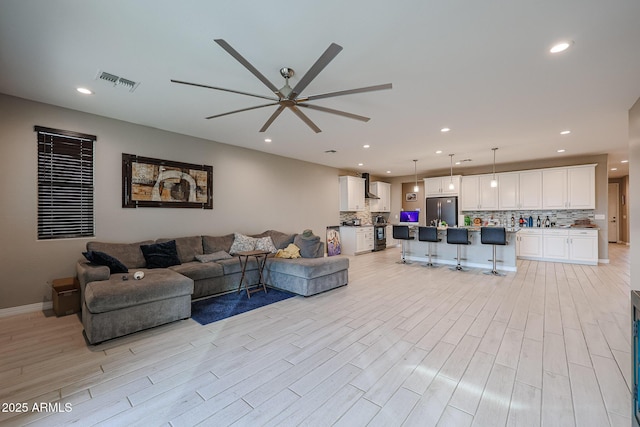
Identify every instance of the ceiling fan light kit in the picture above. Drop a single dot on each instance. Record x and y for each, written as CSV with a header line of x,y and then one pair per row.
x,y
288,97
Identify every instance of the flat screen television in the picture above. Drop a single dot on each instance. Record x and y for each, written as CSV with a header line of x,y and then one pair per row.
x,y
409,217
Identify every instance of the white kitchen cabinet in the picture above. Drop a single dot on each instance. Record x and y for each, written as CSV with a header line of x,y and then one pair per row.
x,y
383,191
391,242
555,244
583,246
357,240
476,193
351,194
572,187
530,190
581,187
439,186
509,191
554,188
529,243
578,246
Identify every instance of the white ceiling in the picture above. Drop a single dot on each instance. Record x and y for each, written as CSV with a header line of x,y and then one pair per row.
x,y
482,68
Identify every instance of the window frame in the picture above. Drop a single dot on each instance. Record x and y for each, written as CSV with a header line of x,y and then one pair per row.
x,y
66,188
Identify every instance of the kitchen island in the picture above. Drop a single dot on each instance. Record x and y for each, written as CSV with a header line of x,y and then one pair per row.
x,y
474,255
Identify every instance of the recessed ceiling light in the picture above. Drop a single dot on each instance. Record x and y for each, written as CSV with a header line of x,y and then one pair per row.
x,y
445,130
388,171
624,161
614,169
565,132
562,150
439,152
84,91
267,140
366,146
457,163
360,164
560,47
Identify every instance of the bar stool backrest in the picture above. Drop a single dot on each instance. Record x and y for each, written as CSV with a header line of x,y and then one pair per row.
x,y
493,235
457,236
401,232
428,234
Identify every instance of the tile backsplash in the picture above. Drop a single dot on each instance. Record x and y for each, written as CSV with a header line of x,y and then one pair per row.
x,y
366,217
559,217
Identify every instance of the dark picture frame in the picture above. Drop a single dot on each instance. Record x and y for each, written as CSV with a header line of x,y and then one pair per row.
x,y
156,183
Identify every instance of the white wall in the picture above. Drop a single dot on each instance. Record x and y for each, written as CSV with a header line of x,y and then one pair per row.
x,y
252,192
634,197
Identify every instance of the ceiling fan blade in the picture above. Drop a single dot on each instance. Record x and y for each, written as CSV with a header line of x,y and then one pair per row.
x,y
241,110
226,90
346,92
231,51
305,119
275,114
338,112
323,61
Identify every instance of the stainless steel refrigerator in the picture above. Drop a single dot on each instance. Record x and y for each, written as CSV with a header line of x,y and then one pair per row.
x,y
442,209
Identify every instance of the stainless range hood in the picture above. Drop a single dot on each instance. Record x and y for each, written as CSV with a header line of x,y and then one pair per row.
x,y
367,193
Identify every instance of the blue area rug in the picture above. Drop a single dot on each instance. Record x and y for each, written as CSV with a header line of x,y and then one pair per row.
x,y
212,309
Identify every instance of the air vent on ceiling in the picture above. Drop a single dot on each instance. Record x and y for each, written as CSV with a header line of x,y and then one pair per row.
x,y
331,151
117,80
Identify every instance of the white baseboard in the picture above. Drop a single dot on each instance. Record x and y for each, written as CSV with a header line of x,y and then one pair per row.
x,y
603,261
30,308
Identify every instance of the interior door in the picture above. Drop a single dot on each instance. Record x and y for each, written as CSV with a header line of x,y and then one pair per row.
x,y
614,196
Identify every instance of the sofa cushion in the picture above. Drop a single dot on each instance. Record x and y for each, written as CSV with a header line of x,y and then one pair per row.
x,y
188,247
198,271
115,293
161,255
213,244
216,256
280,240
231,266
100,258
129,254
308,268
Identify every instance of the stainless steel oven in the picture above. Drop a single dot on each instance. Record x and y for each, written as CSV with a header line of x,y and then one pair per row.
x,y
379,237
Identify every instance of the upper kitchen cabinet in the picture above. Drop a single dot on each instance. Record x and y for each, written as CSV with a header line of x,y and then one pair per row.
x,y
382,190
351,194
435,187
476,193
520,190
581,187
569,188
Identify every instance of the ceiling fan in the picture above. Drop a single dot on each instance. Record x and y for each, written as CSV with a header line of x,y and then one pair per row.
x,y
288,97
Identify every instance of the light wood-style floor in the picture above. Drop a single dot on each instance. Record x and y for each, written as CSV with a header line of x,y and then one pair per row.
x,y
401,345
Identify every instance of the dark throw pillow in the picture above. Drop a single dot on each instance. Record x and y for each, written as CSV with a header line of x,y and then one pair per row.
x,y
161,255
100,258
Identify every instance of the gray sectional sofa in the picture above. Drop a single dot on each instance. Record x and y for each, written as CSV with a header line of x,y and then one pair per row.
x,y
116,304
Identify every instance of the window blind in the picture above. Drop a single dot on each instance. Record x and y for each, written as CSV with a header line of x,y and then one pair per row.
x,y
65,184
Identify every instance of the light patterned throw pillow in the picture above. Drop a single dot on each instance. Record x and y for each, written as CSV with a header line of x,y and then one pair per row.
x,y
242,243
266,244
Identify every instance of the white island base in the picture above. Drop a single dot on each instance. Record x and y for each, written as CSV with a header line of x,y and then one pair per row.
x,y
474,255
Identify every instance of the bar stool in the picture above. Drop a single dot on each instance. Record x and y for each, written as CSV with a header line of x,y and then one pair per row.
x,y
430,235
458,236
493,236
401,232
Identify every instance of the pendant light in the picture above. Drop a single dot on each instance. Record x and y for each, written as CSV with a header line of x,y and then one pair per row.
x,y
451,186
415,171
494,181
